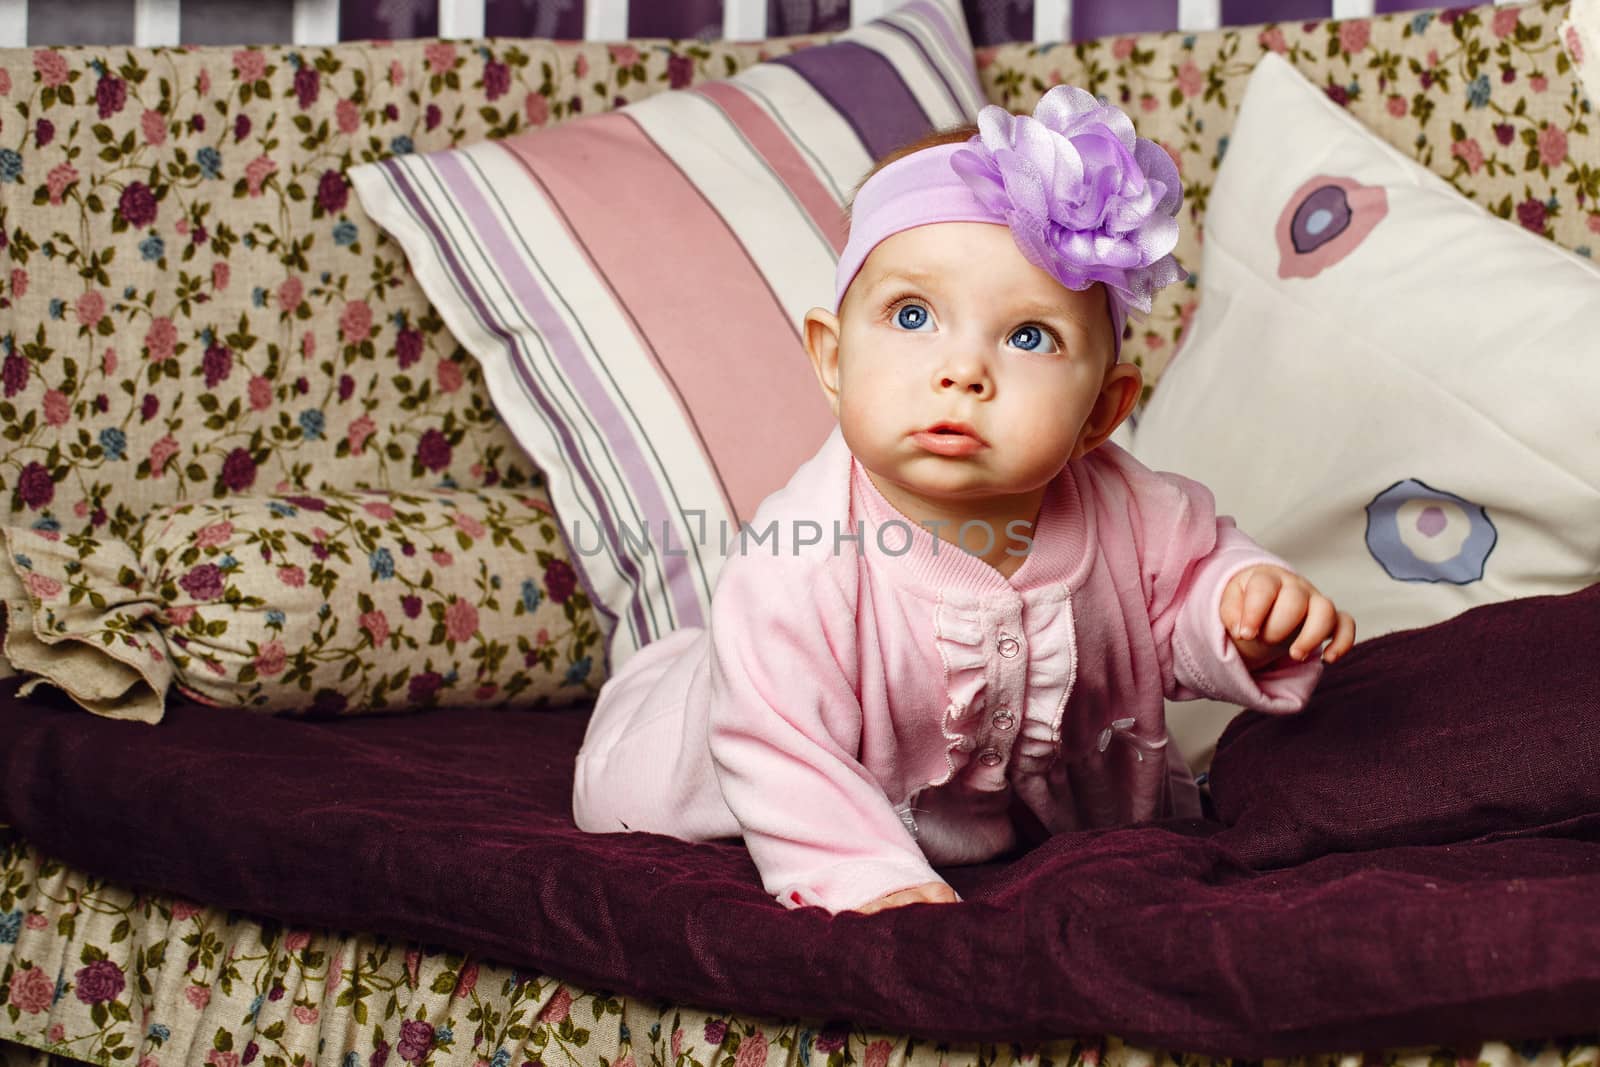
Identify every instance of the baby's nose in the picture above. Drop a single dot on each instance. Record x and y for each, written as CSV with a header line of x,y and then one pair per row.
x,y
974,383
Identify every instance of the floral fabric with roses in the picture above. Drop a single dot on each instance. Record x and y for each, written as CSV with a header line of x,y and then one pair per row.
x,y
368,602
97,973
1487,97
194,306
331,603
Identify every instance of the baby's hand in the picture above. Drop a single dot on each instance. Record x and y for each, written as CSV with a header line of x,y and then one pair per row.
x,y
926,893
1268,610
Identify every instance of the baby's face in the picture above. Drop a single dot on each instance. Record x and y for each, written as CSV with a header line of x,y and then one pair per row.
x,y
965,372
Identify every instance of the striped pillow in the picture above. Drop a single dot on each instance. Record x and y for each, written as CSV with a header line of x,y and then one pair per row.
x,y
633,284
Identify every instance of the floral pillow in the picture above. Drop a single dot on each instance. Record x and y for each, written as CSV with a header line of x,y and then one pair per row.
x,y
330,603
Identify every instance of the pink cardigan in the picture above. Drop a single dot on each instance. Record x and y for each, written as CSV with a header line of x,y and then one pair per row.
x,y
859,715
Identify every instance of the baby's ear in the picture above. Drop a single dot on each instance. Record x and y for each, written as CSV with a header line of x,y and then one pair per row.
x,y
1118,395
822,345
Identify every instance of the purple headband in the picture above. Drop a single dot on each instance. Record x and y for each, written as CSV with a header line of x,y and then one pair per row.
x,y
1086,199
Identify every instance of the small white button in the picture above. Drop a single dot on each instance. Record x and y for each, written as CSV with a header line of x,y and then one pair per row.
x,y
989,757
1008,646
1004,720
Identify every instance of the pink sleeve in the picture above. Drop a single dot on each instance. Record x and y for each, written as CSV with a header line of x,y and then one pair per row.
x,y
1188,553
785,729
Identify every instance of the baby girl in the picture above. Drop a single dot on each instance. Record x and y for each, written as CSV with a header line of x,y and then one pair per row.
x,y
975,651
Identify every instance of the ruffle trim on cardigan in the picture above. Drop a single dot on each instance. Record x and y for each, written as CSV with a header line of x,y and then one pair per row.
x,y
963,642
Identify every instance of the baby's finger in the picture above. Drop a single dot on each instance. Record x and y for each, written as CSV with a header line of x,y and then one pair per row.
x,y
1260,590
1343,638
1321,618
1232,606
1288,613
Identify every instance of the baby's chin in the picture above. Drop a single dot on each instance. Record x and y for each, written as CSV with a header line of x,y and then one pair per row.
x,y
958,490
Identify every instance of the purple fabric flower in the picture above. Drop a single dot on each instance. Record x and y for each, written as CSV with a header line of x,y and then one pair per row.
x,y
1086,199
204,582
411,605
433,451
496,79
100,981
109,96
716,1030
680,71
307,84
35,486
432,117
829,1041
416,1039
329,702
422,688
44,132
149,407
217,365
332,192
241,128
308,503
380,1054
560,580
251,1051
239,470
1531,214
1338,94
14,374
347,386
137,205
1504,132
408,347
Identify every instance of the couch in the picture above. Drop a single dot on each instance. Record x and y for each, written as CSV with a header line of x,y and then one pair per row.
x,y
204,333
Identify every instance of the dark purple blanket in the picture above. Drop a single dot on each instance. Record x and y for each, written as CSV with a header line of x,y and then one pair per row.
x,y
453,828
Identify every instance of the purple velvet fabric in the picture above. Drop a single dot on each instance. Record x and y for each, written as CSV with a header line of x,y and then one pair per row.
x,y
452,828
1487,722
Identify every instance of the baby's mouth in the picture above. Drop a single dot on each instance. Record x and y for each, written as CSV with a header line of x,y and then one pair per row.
x,y
950,439
954,429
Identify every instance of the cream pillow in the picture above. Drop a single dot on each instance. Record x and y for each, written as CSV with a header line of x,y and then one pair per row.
x,y
1386,385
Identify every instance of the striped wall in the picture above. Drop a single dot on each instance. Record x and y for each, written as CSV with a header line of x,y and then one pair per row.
x,y
325,21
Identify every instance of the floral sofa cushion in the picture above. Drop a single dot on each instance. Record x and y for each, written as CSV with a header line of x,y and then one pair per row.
x,y
329,602
193,304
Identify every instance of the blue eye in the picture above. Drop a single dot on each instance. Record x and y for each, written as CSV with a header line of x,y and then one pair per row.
x,y
911,317
1032,338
